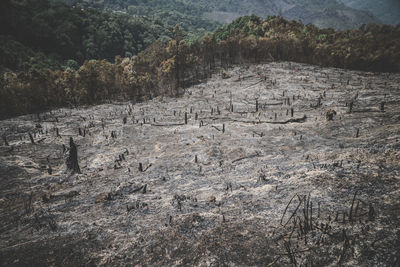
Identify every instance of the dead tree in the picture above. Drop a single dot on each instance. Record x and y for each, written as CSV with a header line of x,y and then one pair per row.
x,y
72,160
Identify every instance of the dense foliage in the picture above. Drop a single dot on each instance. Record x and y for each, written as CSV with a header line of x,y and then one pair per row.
x,y
196,16
162,69
188,14
43,34
371,47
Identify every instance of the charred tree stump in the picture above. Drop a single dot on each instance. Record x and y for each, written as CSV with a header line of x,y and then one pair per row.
x,y
140,167
72,160
382,107
351,107
5,141
186,118
371,212
31,137
351,208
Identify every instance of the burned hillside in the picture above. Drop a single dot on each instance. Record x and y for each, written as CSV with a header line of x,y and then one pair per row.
x,y
273,164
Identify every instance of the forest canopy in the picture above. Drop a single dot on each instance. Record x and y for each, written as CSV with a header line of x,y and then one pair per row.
x,y
44,34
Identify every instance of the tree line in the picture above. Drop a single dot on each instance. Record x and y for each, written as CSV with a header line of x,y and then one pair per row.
x,y
166,68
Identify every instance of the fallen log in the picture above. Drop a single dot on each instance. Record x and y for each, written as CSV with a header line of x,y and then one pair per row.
x,y
246,157
167,125
297,120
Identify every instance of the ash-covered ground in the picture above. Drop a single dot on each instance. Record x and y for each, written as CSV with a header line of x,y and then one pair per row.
x,y
254,176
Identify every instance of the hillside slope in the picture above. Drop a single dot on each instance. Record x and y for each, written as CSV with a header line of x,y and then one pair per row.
x,y
255,176
387,11
323,14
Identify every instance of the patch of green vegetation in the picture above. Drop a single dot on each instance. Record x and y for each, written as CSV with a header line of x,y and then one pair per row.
x,y
188,14
46,34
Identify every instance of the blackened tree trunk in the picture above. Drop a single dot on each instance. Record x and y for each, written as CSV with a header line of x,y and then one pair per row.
x,y
72,161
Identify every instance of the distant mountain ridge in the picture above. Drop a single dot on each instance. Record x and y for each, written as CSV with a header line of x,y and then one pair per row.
x,y
387,10
339,14
322,13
